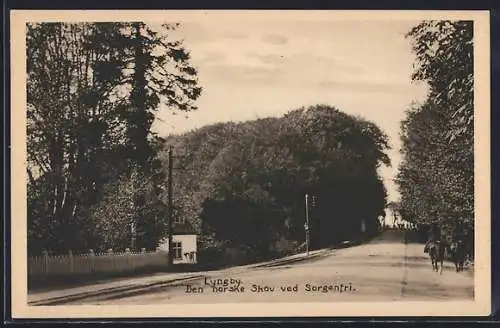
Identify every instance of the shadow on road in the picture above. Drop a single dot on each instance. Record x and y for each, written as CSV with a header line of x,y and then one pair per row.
x,y
110,293
305,259
389,237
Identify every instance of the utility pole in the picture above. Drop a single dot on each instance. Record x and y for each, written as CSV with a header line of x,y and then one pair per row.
x,y
306,226
170,208
170,229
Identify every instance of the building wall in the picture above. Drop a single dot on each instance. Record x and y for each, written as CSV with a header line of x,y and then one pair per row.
x,y
188,248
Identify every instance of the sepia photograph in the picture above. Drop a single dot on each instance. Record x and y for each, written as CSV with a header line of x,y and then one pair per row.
x,y
250,163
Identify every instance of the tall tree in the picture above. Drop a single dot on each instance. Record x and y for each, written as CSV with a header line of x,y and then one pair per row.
x,y
436,176
93,92
445,60
71,129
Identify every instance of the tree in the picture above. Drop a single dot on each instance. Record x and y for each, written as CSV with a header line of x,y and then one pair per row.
x,y
69,132
445,60
93,91
161,72
436,176
155,70
114,217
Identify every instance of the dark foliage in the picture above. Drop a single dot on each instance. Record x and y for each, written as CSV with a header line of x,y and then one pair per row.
x,y
243,185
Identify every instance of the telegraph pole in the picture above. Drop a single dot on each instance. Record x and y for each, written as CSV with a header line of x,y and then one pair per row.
x,y
170,208
306,226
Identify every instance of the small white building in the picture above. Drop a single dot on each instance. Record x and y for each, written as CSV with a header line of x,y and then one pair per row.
x,y
184,248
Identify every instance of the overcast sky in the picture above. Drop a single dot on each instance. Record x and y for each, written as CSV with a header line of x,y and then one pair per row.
x,y
254,68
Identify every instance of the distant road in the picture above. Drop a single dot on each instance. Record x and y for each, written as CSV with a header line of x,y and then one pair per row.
x,y
385,269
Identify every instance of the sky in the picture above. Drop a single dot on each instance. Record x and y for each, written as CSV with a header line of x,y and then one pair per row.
x,y
255,67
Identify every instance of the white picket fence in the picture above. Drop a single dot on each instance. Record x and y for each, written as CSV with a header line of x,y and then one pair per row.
x,y
48,265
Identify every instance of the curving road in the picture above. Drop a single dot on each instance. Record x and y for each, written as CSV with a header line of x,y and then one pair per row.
x,y
385,269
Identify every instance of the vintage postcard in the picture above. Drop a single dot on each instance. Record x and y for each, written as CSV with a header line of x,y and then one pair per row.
x,y
184,164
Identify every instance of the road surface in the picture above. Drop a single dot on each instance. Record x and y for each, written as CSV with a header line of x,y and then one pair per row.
x,y
385,269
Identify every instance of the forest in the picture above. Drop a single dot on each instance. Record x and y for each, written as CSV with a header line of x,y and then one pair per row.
x,y
93,91
97,172
242,186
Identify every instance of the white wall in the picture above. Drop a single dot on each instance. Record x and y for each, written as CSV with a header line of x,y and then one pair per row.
x,y
189,247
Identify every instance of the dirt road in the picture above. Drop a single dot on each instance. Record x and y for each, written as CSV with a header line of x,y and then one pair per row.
x,y
385,269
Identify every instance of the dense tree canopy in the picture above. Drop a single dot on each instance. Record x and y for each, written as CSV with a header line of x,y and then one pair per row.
x,y
436,176
445,61
246,182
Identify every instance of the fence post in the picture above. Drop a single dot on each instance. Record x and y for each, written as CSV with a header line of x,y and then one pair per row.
x,y
92,260
45,262
71,263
